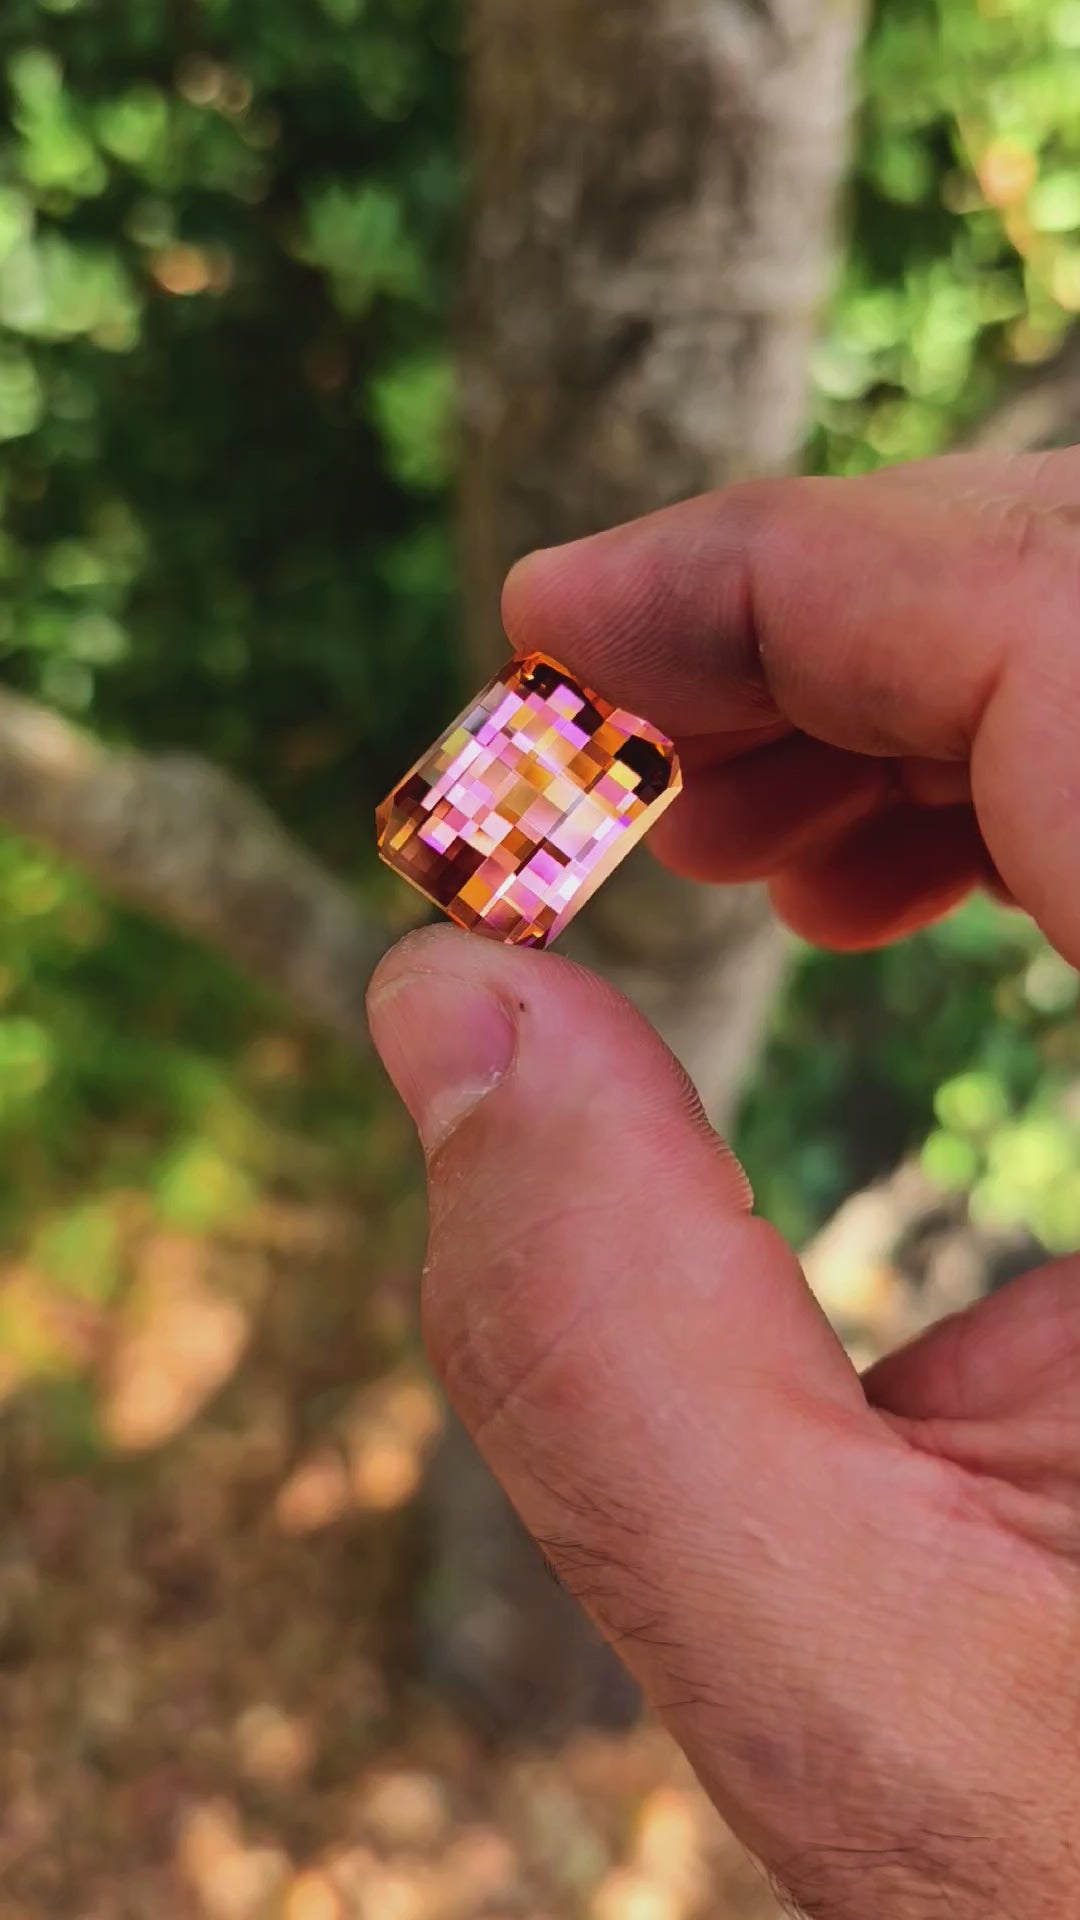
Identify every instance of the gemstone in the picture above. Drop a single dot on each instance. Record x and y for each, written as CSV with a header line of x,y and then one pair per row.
x,y
527,803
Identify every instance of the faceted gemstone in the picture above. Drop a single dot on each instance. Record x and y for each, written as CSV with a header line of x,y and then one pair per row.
x,y
527,804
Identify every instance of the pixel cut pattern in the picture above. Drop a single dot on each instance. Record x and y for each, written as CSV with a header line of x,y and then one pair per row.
x,y
527,804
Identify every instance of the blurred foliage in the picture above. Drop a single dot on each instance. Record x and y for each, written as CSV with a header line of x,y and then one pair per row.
x,y
227,242
226,237
965,247
964,1040
226,248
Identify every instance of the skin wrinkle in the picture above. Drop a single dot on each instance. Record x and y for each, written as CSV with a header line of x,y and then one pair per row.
x,y
599,1579
1031,527
474,1360
908,1877
926,1876
468,1358
1024,1509
876,697
745,632
939,1846
978,1381
607,1577
936,1850
616,1521
514,1390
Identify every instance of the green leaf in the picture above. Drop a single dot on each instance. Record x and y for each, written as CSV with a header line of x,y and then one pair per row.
x,y
972,1104
201,1191
414,405
80,1252
1054,202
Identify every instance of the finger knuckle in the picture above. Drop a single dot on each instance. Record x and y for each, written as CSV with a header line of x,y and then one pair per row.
x,y
1038,535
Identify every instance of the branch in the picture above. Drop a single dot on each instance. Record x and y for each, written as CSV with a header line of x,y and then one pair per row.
x,y
1039,409
184,842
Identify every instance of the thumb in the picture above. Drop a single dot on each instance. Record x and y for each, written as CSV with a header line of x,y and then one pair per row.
x,y
638,1358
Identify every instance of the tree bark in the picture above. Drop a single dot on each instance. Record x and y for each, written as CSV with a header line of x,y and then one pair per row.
x,y
654,189
654,186
187,844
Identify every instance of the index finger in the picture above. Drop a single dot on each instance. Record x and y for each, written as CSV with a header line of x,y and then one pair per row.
x,y
890,615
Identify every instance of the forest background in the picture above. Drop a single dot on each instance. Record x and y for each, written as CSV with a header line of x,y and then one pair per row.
x,y
233,243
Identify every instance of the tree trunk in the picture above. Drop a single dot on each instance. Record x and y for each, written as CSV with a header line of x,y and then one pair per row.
x,y
653,195
650,247
651,244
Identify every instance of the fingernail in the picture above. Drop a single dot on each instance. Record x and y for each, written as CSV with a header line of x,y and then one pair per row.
x,y
446,1044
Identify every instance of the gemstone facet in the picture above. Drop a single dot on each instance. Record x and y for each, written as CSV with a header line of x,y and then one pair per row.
x,y
527,804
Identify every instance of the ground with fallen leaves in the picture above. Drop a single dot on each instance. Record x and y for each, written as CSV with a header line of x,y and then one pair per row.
x,y
208,1671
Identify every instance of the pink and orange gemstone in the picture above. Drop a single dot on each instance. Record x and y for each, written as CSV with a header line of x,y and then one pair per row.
x,y
527,804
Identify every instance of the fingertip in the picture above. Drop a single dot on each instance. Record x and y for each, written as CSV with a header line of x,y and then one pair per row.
x,y
422,949
522,579
555,597
445,1031
450,1013
652,614
541,597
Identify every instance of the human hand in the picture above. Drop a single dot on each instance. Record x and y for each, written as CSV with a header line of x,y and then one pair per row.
x,y
856,1602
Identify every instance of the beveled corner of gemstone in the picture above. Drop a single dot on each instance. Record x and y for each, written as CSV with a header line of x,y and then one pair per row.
x,y
527,803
